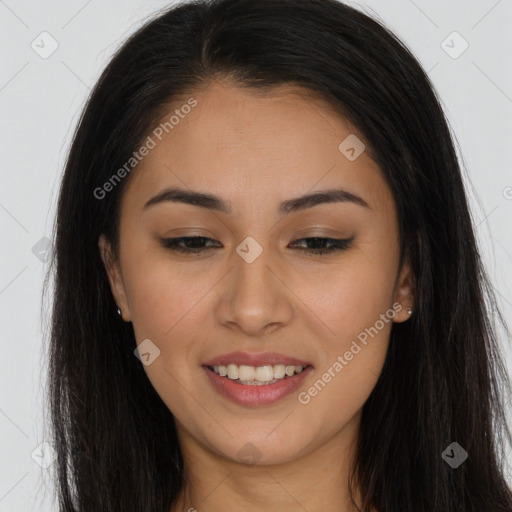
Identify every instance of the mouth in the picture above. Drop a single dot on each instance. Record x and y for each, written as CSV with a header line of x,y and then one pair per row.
x,y
257,375
259,386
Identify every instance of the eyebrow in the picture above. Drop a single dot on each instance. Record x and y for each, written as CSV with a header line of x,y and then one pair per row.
x,y
212,202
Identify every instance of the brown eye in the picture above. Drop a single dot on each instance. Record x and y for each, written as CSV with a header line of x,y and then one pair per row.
x,y
325,245
186,244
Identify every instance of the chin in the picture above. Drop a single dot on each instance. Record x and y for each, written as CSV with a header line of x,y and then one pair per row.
x,y
261,449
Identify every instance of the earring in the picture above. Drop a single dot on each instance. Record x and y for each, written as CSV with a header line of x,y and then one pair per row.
x,y
120,314
409,310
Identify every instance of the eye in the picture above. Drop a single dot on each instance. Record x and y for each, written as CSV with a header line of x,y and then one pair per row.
x,y
319,243
193,244
196,244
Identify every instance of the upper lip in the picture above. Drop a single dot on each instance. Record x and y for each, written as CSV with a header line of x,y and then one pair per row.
x,y
252,359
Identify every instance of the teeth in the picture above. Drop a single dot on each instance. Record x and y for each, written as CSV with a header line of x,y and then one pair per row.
x,y
279,372
221,370
251,375
232,371
263,373
289,370
246,372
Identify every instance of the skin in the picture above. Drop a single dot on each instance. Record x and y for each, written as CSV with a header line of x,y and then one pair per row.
x,y
255,151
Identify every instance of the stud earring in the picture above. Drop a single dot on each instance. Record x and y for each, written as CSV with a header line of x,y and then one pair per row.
x,y
409,310
120,314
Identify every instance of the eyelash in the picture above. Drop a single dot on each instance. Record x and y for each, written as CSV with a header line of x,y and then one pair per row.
x,y
336,244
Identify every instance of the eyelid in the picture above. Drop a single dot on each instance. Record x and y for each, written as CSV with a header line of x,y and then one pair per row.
x,y
188,233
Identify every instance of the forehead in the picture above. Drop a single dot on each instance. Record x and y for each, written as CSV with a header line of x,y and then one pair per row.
x,y
252,146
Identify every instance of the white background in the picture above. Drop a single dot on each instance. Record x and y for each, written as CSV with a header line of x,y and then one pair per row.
x,y
39,103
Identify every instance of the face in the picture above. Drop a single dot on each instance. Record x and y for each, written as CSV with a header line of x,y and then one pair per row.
x,y
304,280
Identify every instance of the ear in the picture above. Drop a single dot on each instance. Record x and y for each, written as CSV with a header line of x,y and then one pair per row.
x,y
404,294
114,276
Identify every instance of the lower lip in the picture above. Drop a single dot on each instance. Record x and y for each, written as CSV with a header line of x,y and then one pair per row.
x,y
256,395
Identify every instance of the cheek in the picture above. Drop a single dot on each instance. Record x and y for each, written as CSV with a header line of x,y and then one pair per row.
x,y
161,294
354,302
350,297
351,365
165,306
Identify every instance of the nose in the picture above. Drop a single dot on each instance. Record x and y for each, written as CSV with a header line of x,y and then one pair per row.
x,y
255,297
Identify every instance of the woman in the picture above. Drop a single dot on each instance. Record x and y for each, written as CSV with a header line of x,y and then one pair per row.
x,y
268,293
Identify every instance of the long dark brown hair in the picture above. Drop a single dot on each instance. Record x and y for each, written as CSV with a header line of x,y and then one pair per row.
x,y
443,380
